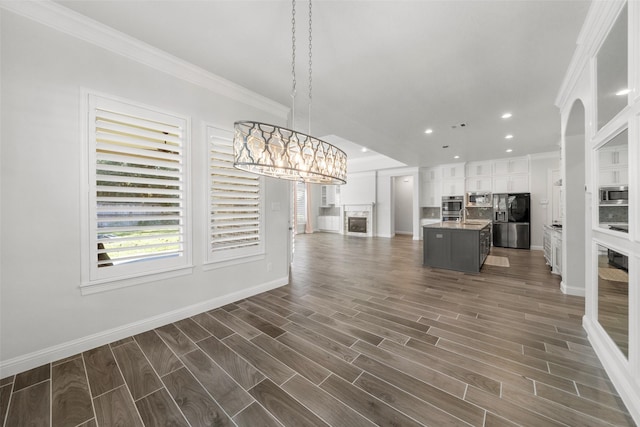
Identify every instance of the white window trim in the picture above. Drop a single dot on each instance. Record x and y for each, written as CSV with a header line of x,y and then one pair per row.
x,y
220,260
89,284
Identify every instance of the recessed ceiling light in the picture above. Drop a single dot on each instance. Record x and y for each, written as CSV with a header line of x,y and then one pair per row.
x,y
364,149
506,115
623,92
456,157
428,131
508,150
508,136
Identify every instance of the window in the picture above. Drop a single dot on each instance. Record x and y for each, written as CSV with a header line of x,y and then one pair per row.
x,y
236,214
137,191
301,206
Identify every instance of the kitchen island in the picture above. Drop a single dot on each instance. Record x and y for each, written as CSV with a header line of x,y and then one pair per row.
x,y
460,246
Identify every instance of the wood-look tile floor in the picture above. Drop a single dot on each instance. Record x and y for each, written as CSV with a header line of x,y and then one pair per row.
x,y
364,335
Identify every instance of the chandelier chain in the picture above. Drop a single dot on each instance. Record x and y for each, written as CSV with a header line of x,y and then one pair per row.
x,y
293,63
310,63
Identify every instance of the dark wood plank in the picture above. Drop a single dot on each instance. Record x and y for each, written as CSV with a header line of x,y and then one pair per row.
x,y
327,344
323,329
30,406
324,405
216,328
229,395
347,329
300,364
116,408
421,373
159,354
273,369
263,312
102,370
120,342
158,409
365,404
7,380
175,339
255,415
138,373
66,359
377,330
414,407
239,369
445,402
192,330
31,377
70,401
196,404
321,357
284,407
235,324
91,423
258,322
5,395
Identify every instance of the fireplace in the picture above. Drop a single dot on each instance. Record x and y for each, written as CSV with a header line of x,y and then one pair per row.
x,y
357,224
358,220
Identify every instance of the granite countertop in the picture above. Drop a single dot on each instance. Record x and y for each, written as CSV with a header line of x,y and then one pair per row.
x,y
474,224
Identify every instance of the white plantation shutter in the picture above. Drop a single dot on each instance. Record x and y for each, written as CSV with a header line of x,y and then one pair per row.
x,y
137,196
235,197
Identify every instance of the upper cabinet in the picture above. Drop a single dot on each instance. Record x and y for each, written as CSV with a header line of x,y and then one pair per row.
x,y
511,175
453,171
612,72
479,169
431,186
329,195
509,166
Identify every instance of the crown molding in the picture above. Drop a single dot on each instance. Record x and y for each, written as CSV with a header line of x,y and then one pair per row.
x,y
76,25
600,18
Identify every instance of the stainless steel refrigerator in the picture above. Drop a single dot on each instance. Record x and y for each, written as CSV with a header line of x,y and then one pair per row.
x,y
511,215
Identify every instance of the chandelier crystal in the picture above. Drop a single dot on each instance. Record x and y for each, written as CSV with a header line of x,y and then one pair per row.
x,y
284,153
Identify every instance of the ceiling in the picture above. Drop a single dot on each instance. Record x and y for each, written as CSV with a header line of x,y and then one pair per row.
x,y
383,71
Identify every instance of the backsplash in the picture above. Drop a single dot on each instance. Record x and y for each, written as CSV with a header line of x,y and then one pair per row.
x,y
614,214
480,213
430,212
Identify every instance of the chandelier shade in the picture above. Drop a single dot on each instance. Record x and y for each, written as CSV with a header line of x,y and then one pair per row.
x,y
284,153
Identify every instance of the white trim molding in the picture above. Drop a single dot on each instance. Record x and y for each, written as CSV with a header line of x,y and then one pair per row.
x,y
77,25
60,351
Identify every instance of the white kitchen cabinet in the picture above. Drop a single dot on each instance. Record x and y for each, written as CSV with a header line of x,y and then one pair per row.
x,y
613,156
557,253
431,187
552,242
614,176
453,171
511,166
479,184
329,223
517,183
453,187
478,169
329,195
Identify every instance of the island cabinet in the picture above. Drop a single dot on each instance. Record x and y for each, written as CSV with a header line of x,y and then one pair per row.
x,y
457,246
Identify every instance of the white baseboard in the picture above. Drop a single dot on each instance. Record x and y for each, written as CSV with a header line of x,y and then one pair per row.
x,y
579,292
70,348
616,365
537,248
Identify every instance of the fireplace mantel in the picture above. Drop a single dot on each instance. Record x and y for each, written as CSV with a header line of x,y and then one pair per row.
x,y
361,210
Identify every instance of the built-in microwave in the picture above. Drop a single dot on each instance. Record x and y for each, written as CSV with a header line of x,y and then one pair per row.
x,y
479,199
614,195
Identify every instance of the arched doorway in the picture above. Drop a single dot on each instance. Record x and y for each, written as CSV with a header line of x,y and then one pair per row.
x,y
576,205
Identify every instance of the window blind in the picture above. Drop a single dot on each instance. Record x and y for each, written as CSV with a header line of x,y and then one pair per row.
x,y
301,203
138,205
235,203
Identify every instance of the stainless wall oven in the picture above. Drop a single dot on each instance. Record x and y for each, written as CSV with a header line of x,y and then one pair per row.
x,y
452,208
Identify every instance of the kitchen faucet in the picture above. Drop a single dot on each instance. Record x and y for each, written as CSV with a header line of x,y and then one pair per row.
x,y
463,214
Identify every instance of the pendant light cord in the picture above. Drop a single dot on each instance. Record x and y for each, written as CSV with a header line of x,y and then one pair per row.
x,y
293,63
310,62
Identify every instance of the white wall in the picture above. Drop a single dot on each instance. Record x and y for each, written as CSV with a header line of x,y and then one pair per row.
x,y
403,204
43,316
359,189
